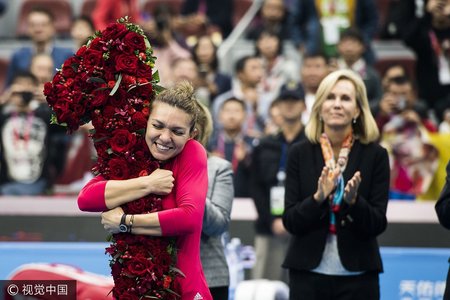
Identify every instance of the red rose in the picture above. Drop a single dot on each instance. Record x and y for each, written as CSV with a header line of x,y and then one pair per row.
x,y
118,169
126,63
96,44
145,71
128,79
136,206
135,41
138,266
122,140
114,31
100,98
128,295
92,58
139,120
80,52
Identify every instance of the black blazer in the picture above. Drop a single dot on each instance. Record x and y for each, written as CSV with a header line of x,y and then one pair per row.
x,y
357,226
443,204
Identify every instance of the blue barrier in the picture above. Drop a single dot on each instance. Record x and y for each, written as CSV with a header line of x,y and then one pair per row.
x,y
409,273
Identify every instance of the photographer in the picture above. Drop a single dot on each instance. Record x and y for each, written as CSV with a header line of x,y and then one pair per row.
x,y
30,156
404,124
400,104
168,44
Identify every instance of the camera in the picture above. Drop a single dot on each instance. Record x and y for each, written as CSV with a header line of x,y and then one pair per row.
x,y
401,103
26,97
162,23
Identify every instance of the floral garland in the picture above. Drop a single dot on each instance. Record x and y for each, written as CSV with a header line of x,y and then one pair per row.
x,y
109,81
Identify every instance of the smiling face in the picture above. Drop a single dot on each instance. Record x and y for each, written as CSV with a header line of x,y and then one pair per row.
x,y
168,130
340,107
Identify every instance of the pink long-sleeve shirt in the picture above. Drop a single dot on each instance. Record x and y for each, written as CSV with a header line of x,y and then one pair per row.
x,y
182,214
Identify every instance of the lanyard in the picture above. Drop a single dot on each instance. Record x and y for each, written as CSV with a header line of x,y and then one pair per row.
x,y
25,136
281,175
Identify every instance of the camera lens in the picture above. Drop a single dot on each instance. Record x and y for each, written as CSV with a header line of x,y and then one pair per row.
x,y
27,97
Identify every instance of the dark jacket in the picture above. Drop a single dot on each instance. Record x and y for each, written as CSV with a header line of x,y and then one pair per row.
x,y
443,204
266,159
357,226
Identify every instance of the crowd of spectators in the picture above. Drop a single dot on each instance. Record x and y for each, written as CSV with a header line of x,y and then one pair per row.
x,y
186,35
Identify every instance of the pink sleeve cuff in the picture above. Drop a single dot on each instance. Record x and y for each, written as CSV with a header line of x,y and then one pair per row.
x,y
92,196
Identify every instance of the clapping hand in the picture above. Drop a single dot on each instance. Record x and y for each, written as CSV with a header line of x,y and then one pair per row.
x,y
351,189
326,183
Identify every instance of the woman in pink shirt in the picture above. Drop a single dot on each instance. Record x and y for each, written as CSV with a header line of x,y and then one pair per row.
x,y
183,183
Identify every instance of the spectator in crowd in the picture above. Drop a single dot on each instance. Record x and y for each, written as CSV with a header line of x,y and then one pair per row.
x,y
444,126
351,48
429,38
42,67
278,69
313,69
211,80
187,69
268,175
167,44
232,143
403,121
41,29
246,85
400,100
337,184
338,15
184,69
399,15
304,26
393,71
31,157
443,212
275,120
216,218
108,11
273,17
82,28
209,15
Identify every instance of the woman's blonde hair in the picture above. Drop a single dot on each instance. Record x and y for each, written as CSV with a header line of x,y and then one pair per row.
x,y
365,127
181,96
204,125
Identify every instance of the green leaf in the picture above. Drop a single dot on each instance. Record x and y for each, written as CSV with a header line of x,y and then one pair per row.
x,y
178,271
155,76
95,80
158,89
116,86
173,292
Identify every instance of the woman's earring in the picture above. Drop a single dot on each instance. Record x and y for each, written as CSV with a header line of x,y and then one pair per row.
x,y
354,120
320,118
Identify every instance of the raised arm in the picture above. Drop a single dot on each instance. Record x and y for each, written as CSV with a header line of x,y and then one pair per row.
x,y
100,194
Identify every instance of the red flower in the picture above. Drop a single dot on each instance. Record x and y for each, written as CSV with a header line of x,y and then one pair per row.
x,y
118,169
139,265
126,63
122,140
134,41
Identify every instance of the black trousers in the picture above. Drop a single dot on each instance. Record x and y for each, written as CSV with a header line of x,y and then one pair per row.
x,y
219,293
447,286
305,285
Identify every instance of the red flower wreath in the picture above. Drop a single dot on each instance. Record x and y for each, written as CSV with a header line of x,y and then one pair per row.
x,y
109,81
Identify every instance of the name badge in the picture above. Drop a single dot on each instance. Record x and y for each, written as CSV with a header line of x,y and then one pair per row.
x,y
277,200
